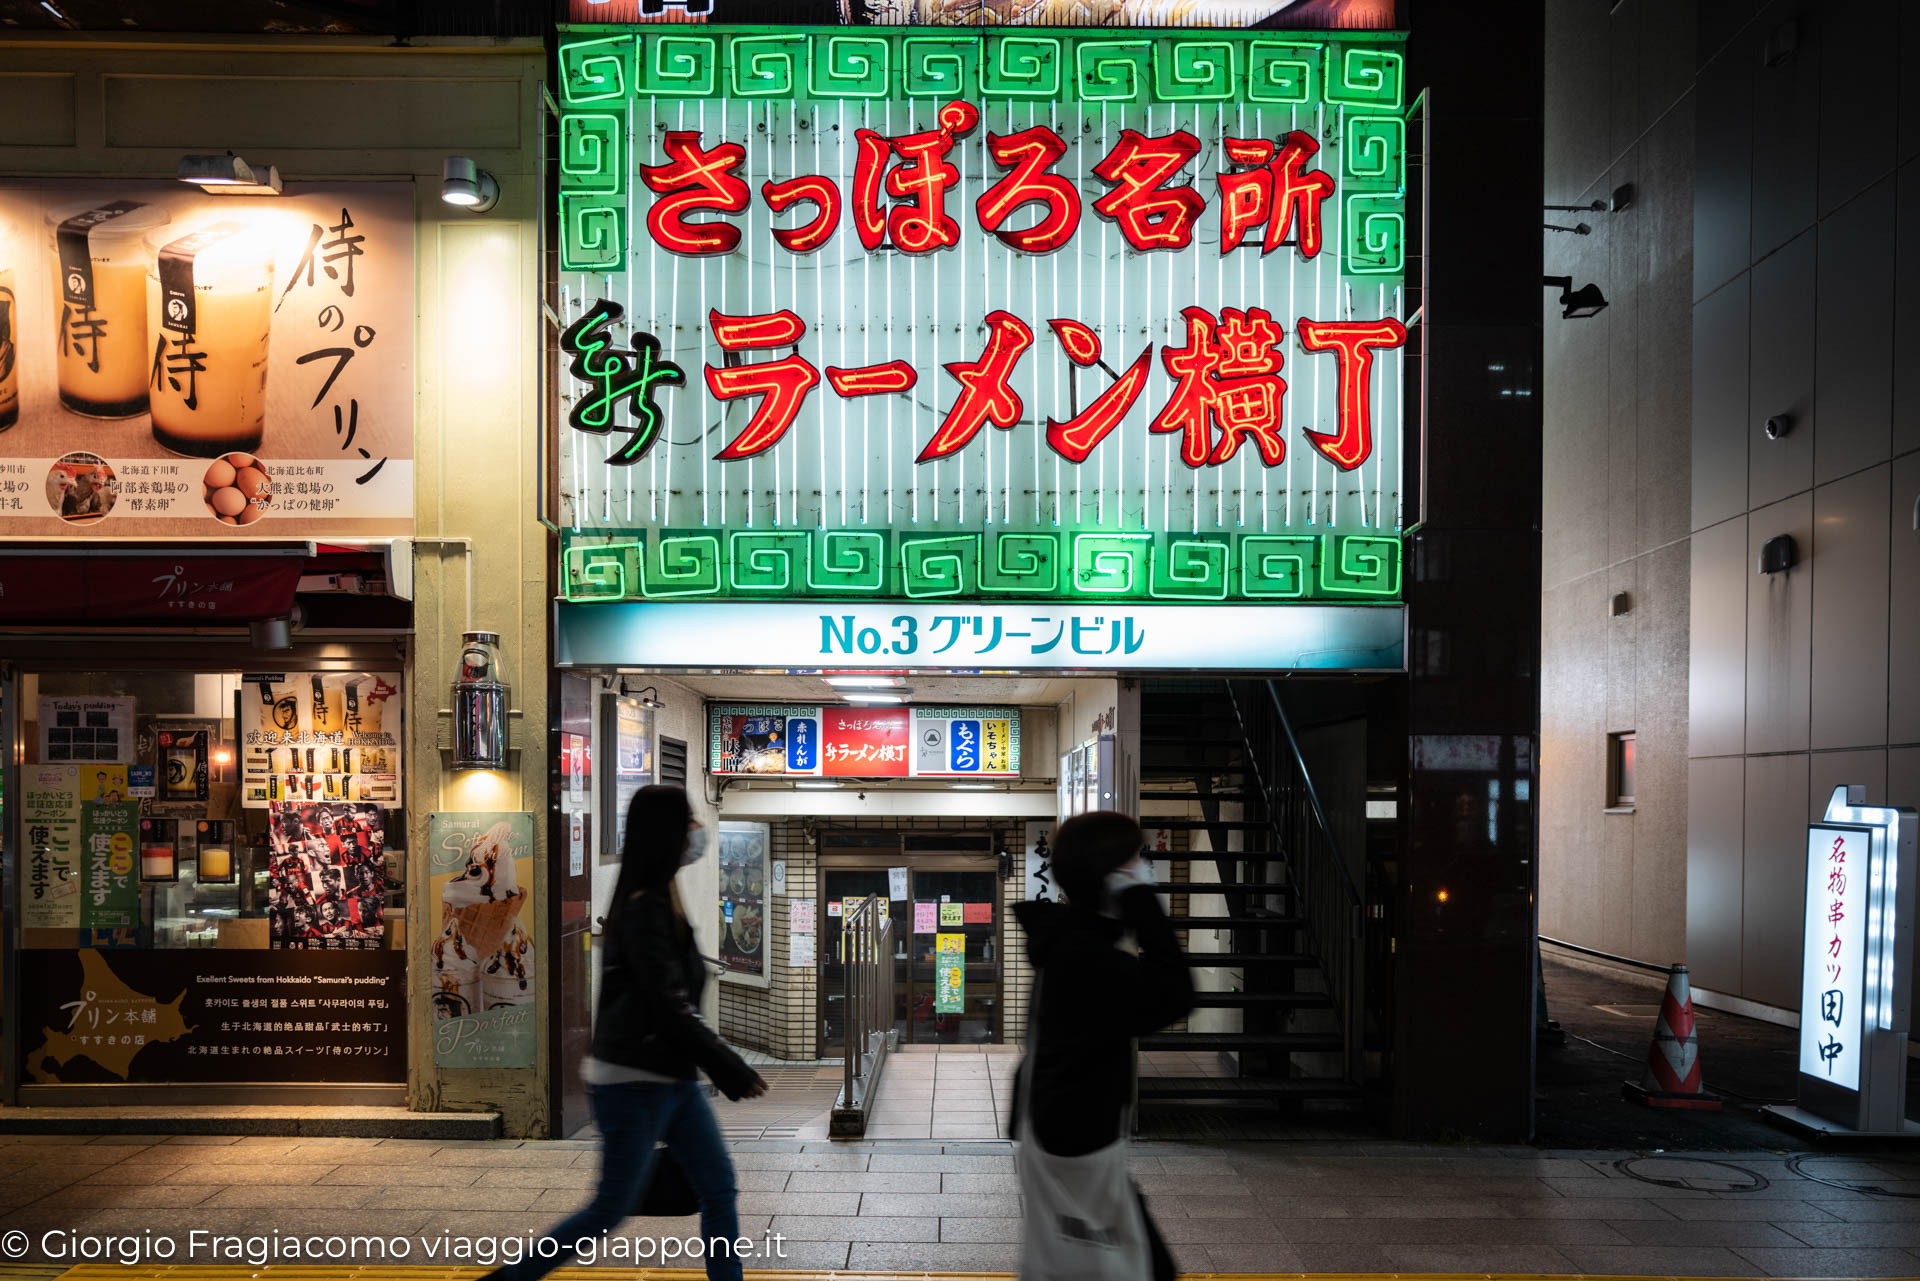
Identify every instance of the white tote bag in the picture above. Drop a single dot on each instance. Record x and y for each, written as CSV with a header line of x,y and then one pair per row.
x,y
1083,1221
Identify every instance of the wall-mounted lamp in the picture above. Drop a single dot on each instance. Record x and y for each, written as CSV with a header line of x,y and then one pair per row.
x,y
1578,229
467,185
271,633
1778,554
1577,304
1778,426
649,695
1619,202
479,704
228,175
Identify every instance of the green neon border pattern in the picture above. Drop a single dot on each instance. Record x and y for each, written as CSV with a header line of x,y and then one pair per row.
x,y
1085,566
604,71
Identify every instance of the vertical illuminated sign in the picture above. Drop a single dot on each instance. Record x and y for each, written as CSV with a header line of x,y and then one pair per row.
x,y
1834,968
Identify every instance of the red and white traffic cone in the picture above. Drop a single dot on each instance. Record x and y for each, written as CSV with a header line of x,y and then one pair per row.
x,y
1673,1060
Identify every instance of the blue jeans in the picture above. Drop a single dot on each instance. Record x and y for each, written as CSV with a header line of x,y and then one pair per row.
x,y
631,1117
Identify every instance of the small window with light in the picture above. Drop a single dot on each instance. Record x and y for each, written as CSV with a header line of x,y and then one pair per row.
x,y
1620,772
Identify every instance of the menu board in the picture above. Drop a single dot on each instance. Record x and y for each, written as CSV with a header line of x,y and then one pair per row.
x,y
86,729
864,742
743,901
320,737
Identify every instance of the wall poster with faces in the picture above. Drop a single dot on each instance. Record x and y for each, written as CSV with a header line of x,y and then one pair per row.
x,y
327,877
316,737
174,364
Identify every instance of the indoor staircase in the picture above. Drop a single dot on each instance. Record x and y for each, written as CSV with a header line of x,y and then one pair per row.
x,y
1291,933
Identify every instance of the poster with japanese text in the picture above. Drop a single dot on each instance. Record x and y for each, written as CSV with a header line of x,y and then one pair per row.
x,y
86,729
191,1016
950,973
110,882
482,984
50,884
1833,981
864,742
320,737
174,364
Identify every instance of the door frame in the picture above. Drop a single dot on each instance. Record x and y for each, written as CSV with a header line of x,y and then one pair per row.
x,y
868,859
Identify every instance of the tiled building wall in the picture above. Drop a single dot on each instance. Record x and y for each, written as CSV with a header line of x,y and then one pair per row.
x,y
783,1019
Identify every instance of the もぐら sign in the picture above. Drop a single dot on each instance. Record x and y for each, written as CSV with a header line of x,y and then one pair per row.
x,y
906,316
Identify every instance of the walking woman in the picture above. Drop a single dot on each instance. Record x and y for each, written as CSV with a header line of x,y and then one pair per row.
x,y
648,1041
1085,1219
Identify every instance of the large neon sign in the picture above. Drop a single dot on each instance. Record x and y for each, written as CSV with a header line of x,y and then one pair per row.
x,y
919,314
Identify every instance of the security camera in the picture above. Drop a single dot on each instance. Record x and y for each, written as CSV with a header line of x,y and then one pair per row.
x,y
1778,426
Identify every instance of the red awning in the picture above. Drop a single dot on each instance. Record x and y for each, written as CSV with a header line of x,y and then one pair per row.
x,y
55,586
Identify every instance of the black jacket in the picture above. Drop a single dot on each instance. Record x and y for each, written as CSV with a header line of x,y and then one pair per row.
x,y
1091,1000
650,985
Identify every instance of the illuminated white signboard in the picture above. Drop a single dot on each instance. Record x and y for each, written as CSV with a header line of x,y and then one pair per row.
x,y
1833,983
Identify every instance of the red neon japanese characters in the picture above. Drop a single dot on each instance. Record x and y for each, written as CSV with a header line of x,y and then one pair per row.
x,y
1149,214
784,383
923,179
1354,342
810,235
1278,192
1081,344
986,392
1228,375
1074,439
695,178
1030,153
873,380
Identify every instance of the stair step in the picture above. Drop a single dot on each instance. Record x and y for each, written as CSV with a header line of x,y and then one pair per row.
x,y
1223,887
1244,1087
1238,796
1248,1000
1237,959
1298,1041
1235,922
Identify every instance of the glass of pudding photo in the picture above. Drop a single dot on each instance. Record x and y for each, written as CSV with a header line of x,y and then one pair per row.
x,y
209,303
100,299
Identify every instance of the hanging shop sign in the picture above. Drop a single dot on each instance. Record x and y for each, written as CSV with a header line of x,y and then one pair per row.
x,y
863,742
174,364
1855,984
1290,14
197,1016
318,737
1041,317
482,983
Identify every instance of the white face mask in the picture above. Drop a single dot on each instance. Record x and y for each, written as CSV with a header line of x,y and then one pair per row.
x,y
695,848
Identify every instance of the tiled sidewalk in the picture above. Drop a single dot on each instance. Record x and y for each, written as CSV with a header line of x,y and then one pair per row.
x,y
904,1205
945,1092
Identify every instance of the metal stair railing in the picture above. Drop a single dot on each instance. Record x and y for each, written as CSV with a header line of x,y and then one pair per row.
x,y
1326,898
867,1014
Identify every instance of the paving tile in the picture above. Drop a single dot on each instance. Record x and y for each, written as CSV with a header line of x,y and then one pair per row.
x,y
200,1140
459,1176
828,1160
504,1178
1873,1209
1207,1207
1609,1208
1656,1260
847,1181
1622,1187
994,1164
1847,1235
1449,1231
18,1190
817,1255
1732,1207
1735,1232
1341,1258
920,1130
778,1203
959,1205
544,1156
1834,1263
1227,1231
868,1227
1262,1257
265,1172
1509,1259
1002,1230
446,1230
404,1196
998,1183
967,1130
932,1256
112,1196
274,1195
560,1200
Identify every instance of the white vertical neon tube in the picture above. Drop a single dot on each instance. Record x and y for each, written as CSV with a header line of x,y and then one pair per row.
x,y
662,514
866,358
1100,273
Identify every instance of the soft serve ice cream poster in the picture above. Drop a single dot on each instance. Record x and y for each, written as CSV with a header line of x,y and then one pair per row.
x,y
481,979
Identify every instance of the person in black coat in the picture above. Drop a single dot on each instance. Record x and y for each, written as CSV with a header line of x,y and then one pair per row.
x,y
649,1045
1092,999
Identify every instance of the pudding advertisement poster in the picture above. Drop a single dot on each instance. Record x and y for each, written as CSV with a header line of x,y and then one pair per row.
x,y
180,365
481,982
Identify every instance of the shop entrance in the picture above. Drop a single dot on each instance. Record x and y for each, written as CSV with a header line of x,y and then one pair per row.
x,y
944,875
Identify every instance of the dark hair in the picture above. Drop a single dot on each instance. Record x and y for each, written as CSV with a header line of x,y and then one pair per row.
x,y
1088,847
657,819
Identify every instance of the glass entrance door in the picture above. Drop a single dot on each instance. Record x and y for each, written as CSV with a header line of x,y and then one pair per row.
x,y
958,893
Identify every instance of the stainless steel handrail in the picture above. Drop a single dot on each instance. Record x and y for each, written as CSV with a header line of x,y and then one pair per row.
x,y
867,1011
